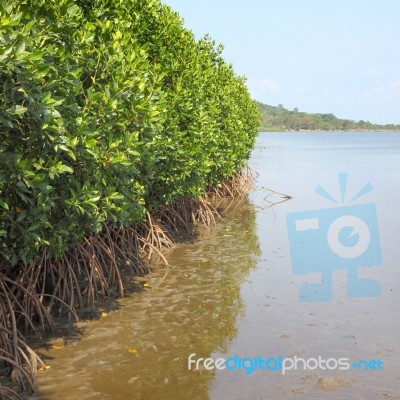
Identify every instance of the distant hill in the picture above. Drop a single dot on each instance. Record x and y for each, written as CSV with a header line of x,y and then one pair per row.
x,y
280,119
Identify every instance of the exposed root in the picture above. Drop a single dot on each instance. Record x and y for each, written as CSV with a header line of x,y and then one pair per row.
x,y
7,393
31,295
19,306
238,186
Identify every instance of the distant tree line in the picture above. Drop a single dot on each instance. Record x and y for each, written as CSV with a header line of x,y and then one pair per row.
x,y
276,119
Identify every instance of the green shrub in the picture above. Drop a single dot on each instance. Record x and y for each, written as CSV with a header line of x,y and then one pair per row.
x,y
108,109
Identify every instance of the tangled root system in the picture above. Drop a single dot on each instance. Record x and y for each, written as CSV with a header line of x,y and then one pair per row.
x,y
30,296
239,185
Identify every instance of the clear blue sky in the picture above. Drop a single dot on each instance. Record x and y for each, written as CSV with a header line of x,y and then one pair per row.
x,y
327,56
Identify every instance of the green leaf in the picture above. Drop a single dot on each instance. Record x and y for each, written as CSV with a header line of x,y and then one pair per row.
x,y
20,46
36,55
19,110
42,71
64,168
94,199
22,215
91,143
34,227
73,10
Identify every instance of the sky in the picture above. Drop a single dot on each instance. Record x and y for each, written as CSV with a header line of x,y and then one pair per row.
x,y
324,56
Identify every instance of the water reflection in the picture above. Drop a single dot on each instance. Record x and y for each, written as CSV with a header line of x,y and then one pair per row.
x,y
141,350
276,322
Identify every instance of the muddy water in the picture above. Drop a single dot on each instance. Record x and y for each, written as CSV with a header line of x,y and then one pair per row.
x,y
233,293
140,351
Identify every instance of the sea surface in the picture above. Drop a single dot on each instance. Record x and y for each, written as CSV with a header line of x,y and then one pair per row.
x,y
233,293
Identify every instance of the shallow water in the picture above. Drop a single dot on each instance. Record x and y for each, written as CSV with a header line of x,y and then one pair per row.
x,y
233,293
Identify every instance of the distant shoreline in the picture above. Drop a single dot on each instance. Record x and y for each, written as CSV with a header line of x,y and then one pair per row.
x,y
280,119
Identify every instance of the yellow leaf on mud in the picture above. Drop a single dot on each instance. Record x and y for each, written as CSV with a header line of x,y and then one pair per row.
x,y
145,284
132,350
104,314
57,347
44,368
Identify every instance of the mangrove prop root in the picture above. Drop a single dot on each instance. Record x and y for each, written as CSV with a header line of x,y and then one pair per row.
x,y
31,295
237,186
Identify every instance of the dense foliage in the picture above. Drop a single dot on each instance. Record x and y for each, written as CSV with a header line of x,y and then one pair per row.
x,y
278,119
108,109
